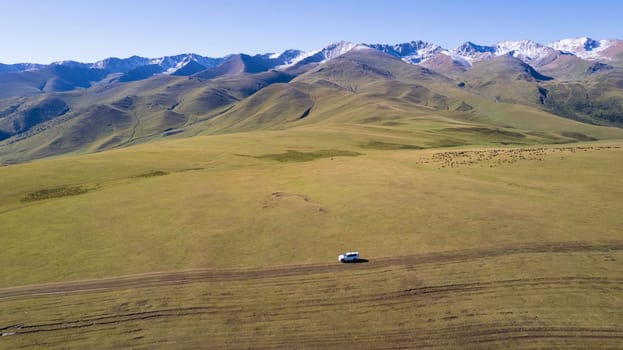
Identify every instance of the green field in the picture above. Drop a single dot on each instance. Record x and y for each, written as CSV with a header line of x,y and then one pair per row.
x,y
486,246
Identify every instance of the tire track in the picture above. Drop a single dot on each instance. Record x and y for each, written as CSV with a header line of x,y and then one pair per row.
x,y
479,333
440,293
243,274
459,329
107,320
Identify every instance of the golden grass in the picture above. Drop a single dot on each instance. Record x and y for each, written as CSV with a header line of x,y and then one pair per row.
x,y
218,209
468,247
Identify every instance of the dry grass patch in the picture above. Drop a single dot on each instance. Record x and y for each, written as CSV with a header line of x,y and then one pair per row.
x,y
298,156
388,146
153,173
57,192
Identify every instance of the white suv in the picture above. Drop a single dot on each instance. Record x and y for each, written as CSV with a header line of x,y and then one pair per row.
x,y
348,257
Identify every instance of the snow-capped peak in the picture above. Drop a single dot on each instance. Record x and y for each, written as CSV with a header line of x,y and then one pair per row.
x,y
469,49
326,53
171,64
583,47
337,49
411,52
70,63
115,64
286,57
526,50
186,59
575,44
470,52
527,47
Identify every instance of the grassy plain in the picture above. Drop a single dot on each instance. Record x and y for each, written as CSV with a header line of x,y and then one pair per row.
x,y
218,207
467,247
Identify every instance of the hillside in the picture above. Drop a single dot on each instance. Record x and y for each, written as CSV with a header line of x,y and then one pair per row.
x,y
350,85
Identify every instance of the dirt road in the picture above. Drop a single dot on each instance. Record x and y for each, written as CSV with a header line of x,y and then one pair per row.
x,y
229,274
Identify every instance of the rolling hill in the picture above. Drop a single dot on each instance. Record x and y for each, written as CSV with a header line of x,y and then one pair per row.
x,y
181,95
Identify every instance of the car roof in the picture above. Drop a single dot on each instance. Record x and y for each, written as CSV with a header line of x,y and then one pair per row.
x,y
351,253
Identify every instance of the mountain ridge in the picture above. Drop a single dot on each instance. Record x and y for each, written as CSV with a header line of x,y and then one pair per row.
x,y
26,78
415,51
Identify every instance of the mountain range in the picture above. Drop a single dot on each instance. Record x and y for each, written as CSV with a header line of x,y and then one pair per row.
x,y
72,106
412,52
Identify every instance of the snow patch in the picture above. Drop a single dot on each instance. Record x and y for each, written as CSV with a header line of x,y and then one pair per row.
x,y
464,61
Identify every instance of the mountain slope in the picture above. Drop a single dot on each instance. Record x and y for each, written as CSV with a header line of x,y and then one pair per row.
x,y
598,101
505,79
19,67
189,68
444,100
53,78
140,111
447,64
278,106
569,67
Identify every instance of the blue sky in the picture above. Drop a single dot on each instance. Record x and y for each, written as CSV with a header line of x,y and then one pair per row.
x,y
43,31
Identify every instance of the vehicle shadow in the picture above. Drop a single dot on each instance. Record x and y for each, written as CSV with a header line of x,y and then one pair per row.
x,y
360,261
